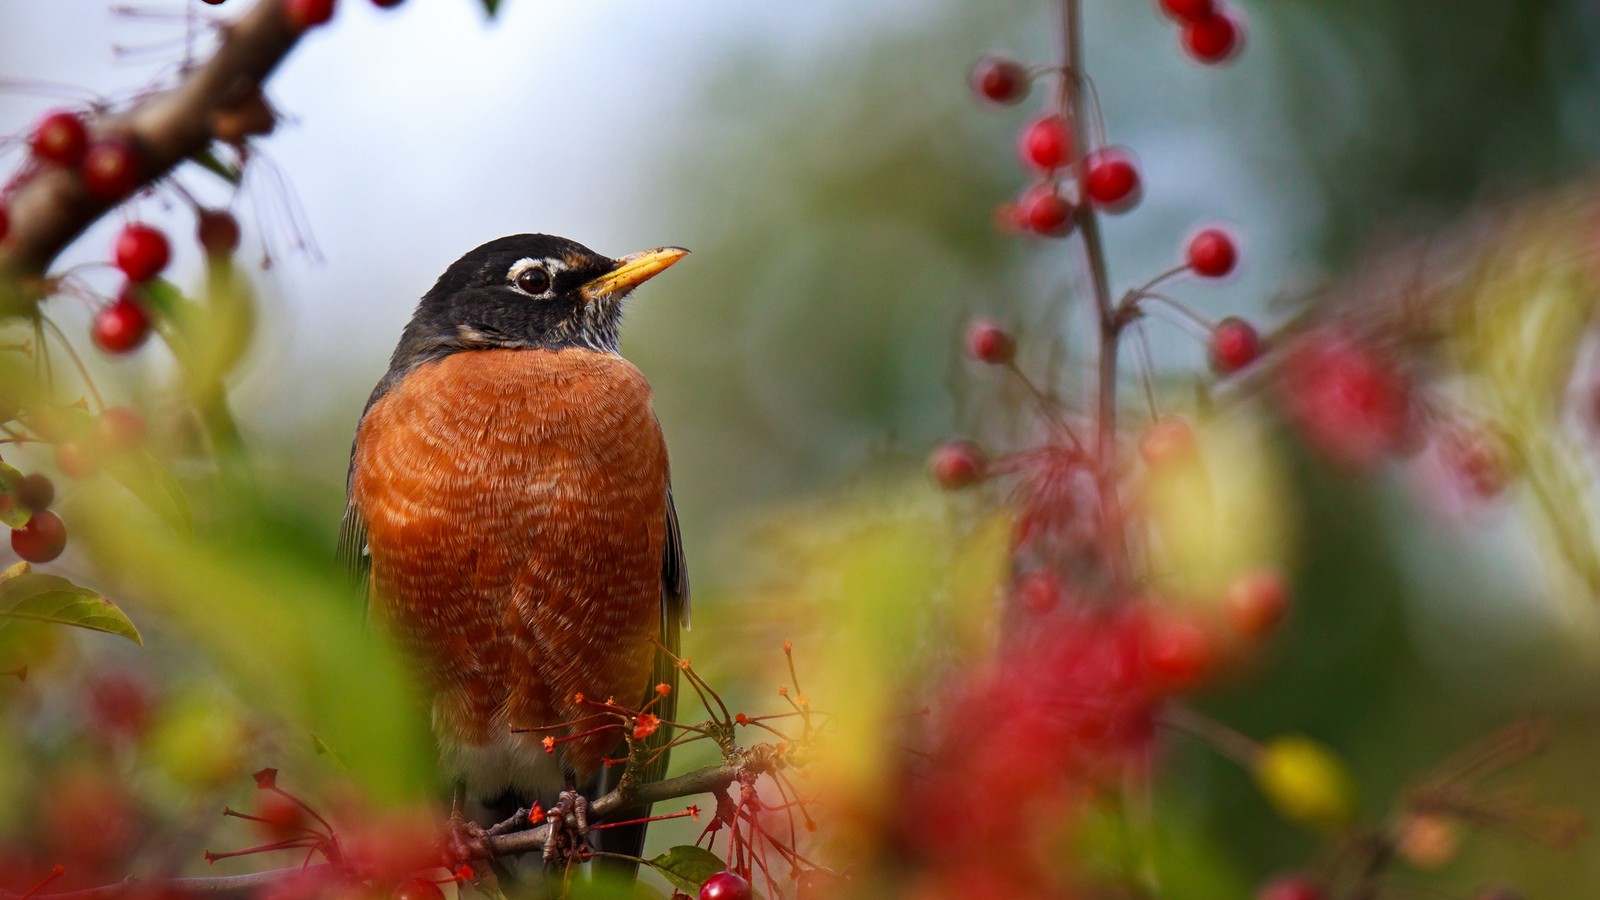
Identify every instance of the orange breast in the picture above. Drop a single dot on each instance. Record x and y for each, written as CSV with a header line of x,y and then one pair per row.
x,y
515,510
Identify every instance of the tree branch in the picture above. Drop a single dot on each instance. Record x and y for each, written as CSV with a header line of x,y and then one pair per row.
x,y
50,209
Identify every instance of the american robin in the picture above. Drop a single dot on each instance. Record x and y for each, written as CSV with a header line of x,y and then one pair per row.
x,y
510,514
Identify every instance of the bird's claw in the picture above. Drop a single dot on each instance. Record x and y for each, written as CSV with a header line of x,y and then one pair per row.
x,y
465,840
565,839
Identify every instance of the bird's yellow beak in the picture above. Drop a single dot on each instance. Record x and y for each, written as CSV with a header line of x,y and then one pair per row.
x,y
633,271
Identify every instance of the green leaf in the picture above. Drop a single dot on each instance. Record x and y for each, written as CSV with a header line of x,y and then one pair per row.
x,y
155,487
13,514
491,7
51,598
211,163
688,867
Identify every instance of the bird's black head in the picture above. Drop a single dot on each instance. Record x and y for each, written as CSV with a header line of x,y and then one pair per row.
x,y
527,291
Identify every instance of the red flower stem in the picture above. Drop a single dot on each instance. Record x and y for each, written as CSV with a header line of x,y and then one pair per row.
x,y
519,729
55,872
293,844
1177,306
699,685
311,832
1046,404
681,814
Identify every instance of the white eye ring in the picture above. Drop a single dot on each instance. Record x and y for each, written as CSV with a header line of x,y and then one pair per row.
x,y
532,277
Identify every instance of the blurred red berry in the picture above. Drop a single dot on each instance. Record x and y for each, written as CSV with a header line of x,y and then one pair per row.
x,y
74,460
142,252
1046,212
1213,39
121,326
386,4
60,138
1255,602
1009,218
1000,80
1168,441
36,491
305,14
1046,143
42,539
218,232
1291,887
957,464
111,169
1111,179
725,886
1212,253
1235,344
1179,652
1478,462
5,223
989,343
121,430
119,705
1039,593
1188,10
1350,398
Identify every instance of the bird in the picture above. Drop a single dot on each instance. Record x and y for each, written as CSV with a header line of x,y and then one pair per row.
x,y
510,521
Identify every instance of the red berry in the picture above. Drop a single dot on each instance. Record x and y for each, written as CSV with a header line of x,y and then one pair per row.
x,y
988,342
1039,593
1000,80
111,169
1213,253
213,2
42,539
1188,10
417,889
957,464
218,232
1046,143
1179,652
1255,602
386,4
1478,461
1008,219
1168,441
305,14
5,223
60,138
1213,39
74,460
121,429
36,491
1046,212
1111,179
142,252
121,326
725,886
1235,344
1291,887
119,704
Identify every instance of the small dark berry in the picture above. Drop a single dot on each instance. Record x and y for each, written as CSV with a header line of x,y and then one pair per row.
x,y
725,886
60,138
36,491
218,232
957,464
111,169
1213,253
1046,211
1235,344
1000,80
42,539
121,326
1046,143
142,252
988,342
1111,179
1213,39
305,14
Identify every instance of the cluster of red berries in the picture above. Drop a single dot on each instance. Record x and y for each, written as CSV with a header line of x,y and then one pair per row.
x,y
43,537
1209,32
109,165
141,252
304,14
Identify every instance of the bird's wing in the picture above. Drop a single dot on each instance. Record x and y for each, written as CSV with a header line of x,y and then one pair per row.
x,y
629,839
353,553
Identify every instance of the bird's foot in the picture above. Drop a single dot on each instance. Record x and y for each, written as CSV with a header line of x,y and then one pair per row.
x,y
465,840
566,839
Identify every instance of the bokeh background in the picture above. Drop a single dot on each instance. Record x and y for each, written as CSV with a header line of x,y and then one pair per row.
x,y
835,180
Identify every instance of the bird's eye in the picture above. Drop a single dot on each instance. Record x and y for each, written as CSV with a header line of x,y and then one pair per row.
x,y
534,279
